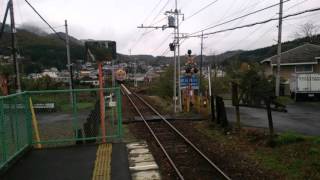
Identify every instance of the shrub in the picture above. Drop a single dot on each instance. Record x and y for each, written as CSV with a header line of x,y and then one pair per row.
x,y
288,138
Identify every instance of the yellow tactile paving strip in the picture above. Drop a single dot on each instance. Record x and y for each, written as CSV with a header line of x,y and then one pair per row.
x,y
102,164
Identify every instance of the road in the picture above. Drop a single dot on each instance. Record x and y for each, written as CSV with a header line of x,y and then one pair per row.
x,y
47,118
301,117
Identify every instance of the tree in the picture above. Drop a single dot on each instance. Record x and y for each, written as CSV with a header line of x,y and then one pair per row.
x,y
308,30
5,72
254,86
164,85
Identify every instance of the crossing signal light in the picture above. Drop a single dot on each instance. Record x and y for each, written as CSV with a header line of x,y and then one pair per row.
x,y
172,46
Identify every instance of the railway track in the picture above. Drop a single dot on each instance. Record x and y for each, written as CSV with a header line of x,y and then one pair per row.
x,y
184,157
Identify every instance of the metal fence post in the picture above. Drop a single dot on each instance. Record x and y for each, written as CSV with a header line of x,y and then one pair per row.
x,y
235,103
2,132
119,112
270,121
16,128
28,118
74,114
213,116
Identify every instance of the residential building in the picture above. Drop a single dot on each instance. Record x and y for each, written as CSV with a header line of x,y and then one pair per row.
x,y
52,72
302,59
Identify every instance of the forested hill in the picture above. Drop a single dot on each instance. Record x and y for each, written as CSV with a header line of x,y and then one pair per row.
x,y
41,51
259,54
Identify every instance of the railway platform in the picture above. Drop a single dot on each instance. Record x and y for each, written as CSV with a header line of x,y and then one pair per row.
x,y
96,162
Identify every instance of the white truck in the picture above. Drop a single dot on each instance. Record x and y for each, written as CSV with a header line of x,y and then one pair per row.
x,y
305,85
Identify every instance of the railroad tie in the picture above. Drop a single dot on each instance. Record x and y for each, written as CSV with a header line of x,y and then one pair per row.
x,y
102,165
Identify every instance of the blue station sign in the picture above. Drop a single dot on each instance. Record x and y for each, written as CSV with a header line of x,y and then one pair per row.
x,y
186,81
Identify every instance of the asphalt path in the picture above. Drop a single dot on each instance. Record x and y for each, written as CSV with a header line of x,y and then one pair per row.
x,y
302,117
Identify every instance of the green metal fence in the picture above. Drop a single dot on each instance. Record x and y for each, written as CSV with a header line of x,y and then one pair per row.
x,y
63,118
15,129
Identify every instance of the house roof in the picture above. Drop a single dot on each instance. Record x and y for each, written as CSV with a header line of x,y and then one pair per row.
x,y
305,54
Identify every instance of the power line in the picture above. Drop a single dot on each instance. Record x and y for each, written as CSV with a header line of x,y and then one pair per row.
x,y
257,23
164,6
201,9
162,42
153,9
147,32
226,22
44,20
160,20
165,51
225,36
265,32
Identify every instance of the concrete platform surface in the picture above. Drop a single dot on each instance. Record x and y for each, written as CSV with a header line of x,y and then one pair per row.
x,y
86,162
55,164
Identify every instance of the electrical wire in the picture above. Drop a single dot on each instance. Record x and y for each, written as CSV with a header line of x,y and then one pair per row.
x,y
201,9
153,9
256,23
147,32
229,33
160,20
162,42
164,6
44,20
259,27
240,17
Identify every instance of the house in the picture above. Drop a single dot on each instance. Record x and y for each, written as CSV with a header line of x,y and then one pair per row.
x,y
52,72
34,76
302,59
63,76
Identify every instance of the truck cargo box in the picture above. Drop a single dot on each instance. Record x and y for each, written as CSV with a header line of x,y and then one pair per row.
x,y
305,83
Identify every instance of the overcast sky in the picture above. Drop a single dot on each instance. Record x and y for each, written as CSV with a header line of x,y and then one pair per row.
x,y
118,20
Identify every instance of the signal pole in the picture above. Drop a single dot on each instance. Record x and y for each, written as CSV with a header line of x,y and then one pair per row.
x,y
13,50
279,49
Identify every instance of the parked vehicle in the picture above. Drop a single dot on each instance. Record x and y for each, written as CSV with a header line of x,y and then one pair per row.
x,y
305,86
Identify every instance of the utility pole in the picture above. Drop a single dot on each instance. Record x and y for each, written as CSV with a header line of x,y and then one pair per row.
x,y
174,74
70,65
176,13
178,43
279,49
135,73
201,60
13,49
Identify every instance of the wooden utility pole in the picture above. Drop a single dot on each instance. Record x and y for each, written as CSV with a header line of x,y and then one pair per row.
x,y
13,49
279,49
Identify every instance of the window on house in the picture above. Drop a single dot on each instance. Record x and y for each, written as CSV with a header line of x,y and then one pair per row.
x,y
304,68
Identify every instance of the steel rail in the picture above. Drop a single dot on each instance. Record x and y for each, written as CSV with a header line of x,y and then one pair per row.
x,y
185,139
155,137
